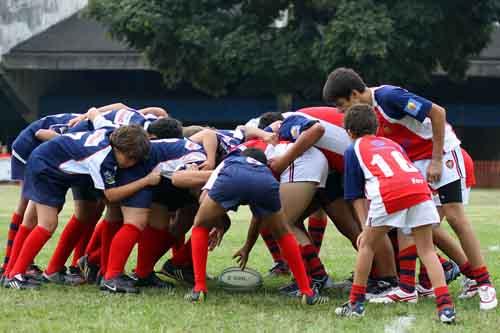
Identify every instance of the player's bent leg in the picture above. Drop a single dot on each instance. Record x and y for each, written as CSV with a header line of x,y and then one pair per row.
x,y
15,222
370,240
112,222
115,280
427,253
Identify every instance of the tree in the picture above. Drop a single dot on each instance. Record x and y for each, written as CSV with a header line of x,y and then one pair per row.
x,y
289,46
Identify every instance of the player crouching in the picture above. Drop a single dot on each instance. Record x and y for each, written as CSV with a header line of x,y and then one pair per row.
x,y
242,178
399,198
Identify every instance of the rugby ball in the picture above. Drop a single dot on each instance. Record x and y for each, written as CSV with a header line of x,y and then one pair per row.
x,y
235,279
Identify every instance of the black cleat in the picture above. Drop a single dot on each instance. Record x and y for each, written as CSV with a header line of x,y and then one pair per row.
x,y
379,288
314,299
21,282
34,273
196,296
280,268
447,315
349,310
182,274
63,278
120,284
152,281
88,270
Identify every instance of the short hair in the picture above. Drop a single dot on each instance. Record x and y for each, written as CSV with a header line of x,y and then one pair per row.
x,y
341,83
131,140
191,130
361,120
268,118
166,128
256,154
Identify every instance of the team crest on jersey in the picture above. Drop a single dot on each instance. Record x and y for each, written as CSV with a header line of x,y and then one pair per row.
x,y
109,177
450,164
413,106
295,131
190,145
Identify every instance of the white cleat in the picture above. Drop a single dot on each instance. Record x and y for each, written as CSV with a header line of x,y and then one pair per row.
x,y
469,289
424,292
488,298
396,296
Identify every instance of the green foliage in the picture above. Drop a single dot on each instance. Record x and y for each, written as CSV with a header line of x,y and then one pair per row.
x,y
232,45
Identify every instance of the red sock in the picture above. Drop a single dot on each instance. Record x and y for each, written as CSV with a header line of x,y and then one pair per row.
x,y
95,239
423,278
32,245
69,238
314,265
80,247
443,298
94,257
178,245
121,246
21,236
466,270
15,222
407,263
108,231
271,244
291,252
316,229
357,294
482,276
152,246
183,256
199,244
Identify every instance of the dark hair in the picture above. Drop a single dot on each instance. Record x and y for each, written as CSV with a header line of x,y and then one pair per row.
x,y
166,128
268,118
361,120
256,154
131,140
341,83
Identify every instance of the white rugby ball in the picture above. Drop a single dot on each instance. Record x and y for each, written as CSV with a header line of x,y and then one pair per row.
x,y
235,279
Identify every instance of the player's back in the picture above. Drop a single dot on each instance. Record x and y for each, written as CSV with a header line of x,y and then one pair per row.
x,y
392,181
172,154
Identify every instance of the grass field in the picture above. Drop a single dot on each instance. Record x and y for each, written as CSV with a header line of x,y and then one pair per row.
x,y
84,308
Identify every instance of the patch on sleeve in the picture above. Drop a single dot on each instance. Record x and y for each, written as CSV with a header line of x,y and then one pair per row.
x,y
413,107
295,131
109,177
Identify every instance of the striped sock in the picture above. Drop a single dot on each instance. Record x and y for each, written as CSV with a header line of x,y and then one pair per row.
x,y
407,262
466,270
443,298
15,222
423,278
357,294
313,264
316,229
482,276
271,244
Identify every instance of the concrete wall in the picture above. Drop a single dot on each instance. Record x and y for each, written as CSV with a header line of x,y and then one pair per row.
x,y
21,19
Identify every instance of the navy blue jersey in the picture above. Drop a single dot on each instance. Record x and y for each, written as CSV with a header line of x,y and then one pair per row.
x,y
227,140
118,117
293,126
26,141
71,155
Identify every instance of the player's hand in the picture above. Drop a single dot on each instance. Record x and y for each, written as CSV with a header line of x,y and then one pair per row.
x,y
207,165
272,139
215,238
278,165
154,177
192,167
241,257
434,171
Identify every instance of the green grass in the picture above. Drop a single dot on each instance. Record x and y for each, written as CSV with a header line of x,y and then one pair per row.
x,y
57,308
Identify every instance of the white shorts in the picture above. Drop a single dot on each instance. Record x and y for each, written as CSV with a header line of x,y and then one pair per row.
x,y
311,166
453,168
424,213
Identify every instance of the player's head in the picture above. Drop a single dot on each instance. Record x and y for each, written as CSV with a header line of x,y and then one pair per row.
x,y
189,131
344,88
268,118
130,145
256,154
360,120
165,128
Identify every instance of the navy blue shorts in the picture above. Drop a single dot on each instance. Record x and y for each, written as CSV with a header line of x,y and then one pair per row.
x,y
240,184
17,169
41,187
333,190
144,197
166,194
86,192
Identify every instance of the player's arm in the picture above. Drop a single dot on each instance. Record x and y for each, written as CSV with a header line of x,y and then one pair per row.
x,y
208,139
243,254
45,134
354,184
98,121
122,192
306,140
251,132
190,178
437,115
73,122
155,111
